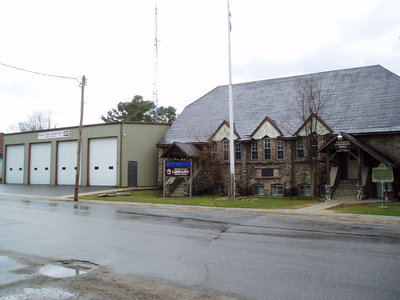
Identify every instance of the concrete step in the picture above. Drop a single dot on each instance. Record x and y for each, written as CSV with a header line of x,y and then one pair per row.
x,y
345,190
179,191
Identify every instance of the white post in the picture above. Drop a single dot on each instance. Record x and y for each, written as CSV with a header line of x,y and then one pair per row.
x,y
231,123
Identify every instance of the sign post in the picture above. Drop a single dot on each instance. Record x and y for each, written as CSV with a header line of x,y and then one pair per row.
x,y
178,168
382,174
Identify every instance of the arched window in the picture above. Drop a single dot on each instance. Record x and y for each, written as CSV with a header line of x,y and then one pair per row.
x,y
226,149
214,150
314,144
280,149
267,148
254,150
238,151
300,149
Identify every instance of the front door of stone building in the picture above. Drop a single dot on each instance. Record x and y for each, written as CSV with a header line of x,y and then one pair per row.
x,y
352,167
342,164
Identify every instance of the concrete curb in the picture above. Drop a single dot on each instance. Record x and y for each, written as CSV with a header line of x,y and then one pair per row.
x,y
295,213
312,212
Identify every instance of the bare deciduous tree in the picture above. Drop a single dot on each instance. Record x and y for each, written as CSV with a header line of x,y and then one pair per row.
x,y
311,102
208,161
38,120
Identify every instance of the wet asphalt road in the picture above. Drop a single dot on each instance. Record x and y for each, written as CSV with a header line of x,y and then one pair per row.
x,y
250,256
53,191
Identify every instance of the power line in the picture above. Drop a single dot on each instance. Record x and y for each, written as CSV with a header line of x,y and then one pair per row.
x,y
39,73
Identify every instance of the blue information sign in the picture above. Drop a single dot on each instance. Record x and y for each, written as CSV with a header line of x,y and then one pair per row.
x,y
178,164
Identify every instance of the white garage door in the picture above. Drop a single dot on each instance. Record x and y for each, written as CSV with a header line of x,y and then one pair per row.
x,y
66,162
40,163
103,162
15,164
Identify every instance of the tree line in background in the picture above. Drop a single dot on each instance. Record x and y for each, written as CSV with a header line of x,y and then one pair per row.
x,y
139,110
38,120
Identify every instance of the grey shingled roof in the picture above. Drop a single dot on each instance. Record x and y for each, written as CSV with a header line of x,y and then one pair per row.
x,y
358,100
189,149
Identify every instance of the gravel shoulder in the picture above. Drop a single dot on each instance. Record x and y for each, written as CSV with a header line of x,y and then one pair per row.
x,y
21,278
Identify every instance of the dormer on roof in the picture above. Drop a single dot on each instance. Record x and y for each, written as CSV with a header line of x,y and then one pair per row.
x,y
223,132
313,125
266,128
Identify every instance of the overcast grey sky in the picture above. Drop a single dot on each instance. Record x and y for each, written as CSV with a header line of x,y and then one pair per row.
x,y
111,43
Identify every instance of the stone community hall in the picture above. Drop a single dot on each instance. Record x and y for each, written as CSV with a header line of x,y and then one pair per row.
x,y
317,134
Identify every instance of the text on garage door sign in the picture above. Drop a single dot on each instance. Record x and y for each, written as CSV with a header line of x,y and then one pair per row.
x,y
177,168
53,134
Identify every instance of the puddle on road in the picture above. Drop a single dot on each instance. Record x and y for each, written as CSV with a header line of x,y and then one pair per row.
x,y
62,272
8,267
6,278
12,271
8,264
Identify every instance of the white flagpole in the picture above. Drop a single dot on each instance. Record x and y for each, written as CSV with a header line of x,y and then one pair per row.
x,y
231,124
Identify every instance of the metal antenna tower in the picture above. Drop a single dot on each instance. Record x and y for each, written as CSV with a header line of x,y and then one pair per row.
x,y
155,82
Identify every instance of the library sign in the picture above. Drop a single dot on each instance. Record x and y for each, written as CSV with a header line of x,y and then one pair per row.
x,y
342,146
177,168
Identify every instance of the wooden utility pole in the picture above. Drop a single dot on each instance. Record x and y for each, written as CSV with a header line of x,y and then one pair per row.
x,y
78,153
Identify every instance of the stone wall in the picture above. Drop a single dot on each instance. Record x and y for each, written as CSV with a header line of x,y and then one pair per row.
x,y
289,172
388,145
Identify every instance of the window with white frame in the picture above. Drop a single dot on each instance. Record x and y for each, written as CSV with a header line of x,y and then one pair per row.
x,y
214,150
238,151
254,150
304,190
258,189
226,149
267,149
277,190
314,144
280,149
300,149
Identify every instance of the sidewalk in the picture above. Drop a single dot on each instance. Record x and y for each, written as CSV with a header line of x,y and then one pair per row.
x,y
331,203
313,212
320,212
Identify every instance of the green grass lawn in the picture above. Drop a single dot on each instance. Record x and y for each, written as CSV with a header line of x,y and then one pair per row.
x,y
392,209
155,196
